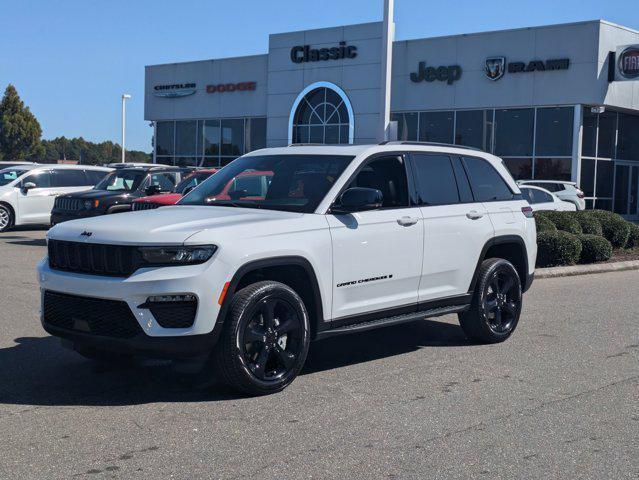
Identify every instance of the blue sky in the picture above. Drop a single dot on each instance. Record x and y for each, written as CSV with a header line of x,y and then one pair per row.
x,y
71,60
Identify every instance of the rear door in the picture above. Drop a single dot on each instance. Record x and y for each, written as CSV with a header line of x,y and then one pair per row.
x,y
377,254
35,204
70,181
455,226
491,189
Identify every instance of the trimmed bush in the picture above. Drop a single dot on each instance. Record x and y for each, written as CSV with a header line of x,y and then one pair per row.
x,y
633,238
594,248
557,248
543,223
615,229
565,221
590,224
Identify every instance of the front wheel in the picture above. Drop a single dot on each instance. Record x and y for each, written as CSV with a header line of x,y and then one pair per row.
x,y
265,339
6,218
494,311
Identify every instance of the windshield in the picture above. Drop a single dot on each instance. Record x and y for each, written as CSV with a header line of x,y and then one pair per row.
x,y
122,181
295,183
8,175
191,181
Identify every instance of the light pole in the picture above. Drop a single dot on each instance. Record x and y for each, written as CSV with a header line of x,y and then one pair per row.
x,y
125,97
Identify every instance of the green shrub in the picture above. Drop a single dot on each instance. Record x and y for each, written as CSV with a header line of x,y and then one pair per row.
x,y
557,248
615,229
565,221
544,224
590,224
594,248
633,238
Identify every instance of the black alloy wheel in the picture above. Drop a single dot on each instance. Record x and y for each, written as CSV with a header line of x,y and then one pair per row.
x,y
496,305
265,339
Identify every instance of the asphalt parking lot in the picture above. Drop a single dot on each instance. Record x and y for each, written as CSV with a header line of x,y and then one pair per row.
x,y
560,399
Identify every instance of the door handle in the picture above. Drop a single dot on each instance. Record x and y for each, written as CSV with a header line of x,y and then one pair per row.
x,y
407,221
474,215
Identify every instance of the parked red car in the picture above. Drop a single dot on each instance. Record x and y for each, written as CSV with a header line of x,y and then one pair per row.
x,y
182,188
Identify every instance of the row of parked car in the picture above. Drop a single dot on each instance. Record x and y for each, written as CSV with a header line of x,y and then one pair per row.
x,y
43,194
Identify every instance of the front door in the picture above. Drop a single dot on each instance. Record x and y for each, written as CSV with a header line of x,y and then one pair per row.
x,y
377,254
626,191
35,204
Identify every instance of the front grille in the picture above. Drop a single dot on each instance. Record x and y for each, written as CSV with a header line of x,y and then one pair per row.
x,y
69,204
174,314
107,318
145,206
94,258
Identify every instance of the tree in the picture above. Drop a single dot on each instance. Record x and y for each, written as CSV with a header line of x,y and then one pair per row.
x,y
19,129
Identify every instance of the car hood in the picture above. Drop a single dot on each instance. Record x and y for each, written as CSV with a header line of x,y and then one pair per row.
x,y
164,226
97,194
164,199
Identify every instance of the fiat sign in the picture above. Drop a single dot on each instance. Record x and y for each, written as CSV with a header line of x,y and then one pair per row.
x,y
628,62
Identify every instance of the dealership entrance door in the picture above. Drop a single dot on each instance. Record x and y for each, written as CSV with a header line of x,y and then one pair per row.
x,y
626,190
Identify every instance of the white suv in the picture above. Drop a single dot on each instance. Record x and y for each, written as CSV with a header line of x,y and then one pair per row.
x,y
345,239
566,191
27,192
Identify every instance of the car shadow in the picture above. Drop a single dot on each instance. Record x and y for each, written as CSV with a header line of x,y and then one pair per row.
x,y
33,242
38,371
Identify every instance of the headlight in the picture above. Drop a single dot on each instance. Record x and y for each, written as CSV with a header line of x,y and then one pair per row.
x,y
177,255
89,204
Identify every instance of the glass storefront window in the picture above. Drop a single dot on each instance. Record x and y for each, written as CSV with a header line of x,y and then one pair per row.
x,y
554,131
628,140
232,137
520,168
553,168
514,132
607,134
164,138
211,137
186,137
471,128
406,125
587,183
605,176
436,127
186,161
255,133
589,134
164,160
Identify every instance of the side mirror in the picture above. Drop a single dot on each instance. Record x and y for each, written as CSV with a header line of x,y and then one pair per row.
x,y
152,190
237,194
28,186
358,199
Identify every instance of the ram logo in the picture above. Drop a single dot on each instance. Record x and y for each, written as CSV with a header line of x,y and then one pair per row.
x,y
495,67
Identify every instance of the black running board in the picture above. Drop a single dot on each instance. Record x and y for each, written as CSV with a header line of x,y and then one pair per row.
x,y
389,321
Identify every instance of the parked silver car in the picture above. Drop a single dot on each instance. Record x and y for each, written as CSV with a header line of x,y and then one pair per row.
x,y
566,191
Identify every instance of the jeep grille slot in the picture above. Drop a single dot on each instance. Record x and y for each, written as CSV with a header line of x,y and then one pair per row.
x,y
93,258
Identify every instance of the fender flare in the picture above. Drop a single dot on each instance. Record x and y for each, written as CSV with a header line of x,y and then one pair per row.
x,y
500,240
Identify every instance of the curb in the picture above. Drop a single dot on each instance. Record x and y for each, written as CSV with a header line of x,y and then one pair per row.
x,y
570,271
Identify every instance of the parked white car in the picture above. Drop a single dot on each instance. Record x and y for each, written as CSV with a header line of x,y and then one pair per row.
x,y
27,192
542,199
566,191
7,164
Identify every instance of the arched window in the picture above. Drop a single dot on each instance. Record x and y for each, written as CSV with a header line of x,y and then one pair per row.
x,y
321,114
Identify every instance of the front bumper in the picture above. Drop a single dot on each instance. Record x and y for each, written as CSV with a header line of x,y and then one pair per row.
x,y
58,216
205,281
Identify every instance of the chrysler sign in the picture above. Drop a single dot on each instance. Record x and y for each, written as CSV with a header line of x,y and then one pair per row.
x,y
174,90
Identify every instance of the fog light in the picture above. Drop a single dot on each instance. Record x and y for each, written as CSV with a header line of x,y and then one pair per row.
x,y
171,298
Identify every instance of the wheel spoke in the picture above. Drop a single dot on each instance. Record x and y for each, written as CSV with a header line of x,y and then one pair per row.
x,y
287,358
508,284
494,284
497,316
510,307
288,325
254,334
259,367
490,305
267,309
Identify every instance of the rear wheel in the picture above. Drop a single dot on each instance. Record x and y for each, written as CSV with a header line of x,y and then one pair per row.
x,y
6,218
494,311
265,339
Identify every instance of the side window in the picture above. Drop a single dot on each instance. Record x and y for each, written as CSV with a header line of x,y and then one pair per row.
x,y
486,183
387,174
436,182
250,186
463,185
41,179
166,181
94,176
527,193
69,178
541,197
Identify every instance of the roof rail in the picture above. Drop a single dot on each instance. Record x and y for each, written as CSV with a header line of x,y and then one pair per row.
x,y
429,144
310,145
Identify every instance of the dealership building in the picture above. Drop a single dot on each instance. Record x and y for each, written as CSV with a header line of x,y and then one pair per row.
x,y
555,102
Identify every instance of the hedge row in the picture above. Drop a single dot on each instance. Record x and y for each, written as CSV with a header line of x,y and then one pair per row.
x,y
587,236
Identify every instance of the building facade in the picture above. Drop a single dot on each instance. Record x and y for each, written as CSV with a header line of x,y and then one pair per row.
x,y
555,102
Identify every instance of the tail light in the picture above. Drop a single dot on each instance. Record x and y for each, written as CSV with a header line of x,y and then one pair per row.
x,y
580,194
527,211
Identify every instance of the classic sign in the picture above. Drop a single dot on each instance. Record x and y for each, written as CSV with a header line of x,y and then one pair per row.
x,y
304,53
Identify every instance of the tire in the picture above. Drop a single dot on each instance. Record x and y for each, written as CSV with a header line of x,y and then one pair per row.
x,y
265,339
104,356
6,218
496,305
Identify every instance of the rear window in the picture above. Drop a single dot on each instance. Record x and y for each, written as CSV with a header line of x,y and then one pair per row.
x,y
435,179
487,184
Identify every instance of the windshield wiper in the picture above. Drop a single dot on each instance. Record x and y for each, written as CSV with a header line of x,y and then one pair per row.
x,y
224,203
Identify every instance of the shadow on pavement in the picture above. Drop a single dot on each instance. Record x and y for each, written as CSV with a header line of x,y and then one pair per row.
x,y
38,371
33,242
